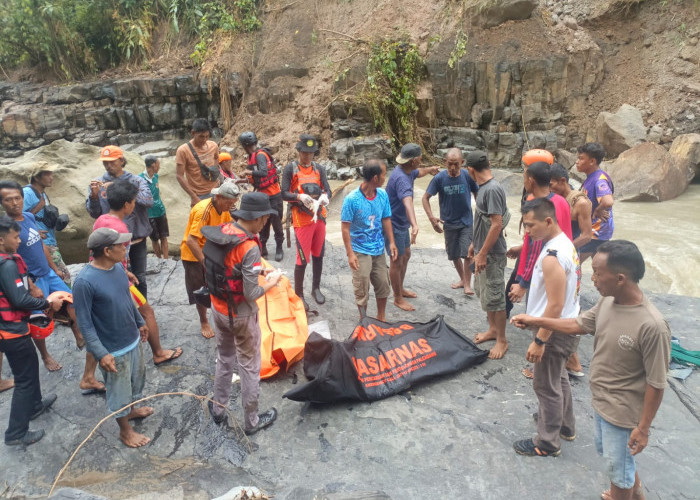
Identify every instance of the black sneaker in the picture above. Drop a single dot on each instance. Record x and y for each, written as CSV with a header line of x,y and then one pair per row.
x,y
527,447
562,434
45,405
264,420
218,419
318,296
30,437
279,253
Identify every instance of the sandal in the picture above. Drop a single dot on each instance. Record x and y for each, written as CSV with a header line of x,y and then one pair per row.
x,y
527,447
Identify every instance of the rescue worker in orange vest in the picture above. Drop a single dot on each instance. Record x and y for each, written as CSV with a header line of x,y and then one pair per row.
x,y
305,187
233,265
16,304
262,174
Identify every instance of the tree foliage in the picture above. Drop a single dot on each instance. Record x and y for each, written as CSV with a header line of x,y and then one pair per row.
x,y
76,37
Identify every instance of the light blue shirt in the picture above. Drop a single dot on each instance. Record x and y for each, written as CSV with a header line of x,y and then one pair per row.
x,y
30,201
365,218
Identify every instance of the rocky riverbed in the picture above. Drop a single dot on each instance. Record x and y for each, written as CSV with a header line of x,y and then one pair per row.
x,y
451,438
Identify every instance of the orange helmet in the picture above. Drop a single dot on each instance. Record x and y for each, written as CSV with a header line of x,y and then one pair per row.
x,y
40,326
535,155
223,156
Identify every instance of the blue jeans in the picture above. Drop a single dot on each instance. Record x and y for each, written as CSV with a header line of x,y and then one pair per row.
x,y
611,442
402,239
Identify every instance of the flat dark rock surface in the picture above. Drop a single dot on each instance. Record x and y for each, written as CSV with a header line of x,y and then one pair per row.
x,y
450,438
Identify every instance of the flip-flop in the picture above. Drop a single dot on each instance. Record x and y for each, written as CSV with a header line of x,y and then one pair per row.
x,y
174,355
527,373
93,390
575,373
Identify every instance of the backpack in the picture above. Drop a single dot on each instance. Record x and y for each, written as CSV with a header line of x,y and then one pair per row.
x,y
225,283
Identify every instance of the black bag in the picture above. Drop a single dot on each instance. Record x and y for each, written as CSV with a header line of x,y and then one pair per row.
x,y
51,217
209,173
382,359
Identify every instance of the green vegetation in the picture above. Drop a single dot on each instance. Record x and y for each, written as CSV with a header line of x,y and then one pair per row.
x,y
460,49
76,37
394,70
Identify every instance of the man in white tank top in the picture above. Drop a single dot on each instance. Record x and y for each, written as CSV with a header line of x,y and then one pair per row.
x,y
554,293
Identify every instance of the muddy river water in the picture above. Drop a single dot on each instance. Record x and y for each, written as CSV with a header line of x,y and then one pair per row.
x,y
667,233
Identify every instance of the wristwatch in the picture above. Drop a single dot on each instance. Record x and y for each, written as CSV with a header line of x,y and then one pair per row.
x,y
539,341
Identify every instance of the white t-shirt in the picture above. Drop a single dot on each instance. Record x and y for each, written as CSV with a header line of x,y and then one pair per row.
x,y
565,252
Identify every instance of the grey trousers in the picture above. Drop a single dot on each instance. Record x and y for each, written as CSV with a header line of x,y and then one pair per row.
x,y
551,385
238,349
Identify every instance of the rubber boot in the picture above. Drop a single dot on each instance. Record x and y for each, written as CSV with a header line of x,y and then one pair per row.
x,y
317,269
299,284
279,253
263,250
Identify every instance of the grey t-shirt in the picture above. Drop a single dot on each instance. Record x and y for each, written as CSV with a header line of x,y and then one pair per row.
x,y
491,200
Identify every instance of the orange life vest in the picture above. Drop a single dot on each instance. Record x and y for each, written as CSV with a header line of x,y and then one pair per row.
x,y
7,312
301,182
263,183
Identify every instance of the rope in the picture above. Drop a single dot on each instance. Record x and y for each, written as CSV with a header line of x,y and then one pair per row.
x,y
237,426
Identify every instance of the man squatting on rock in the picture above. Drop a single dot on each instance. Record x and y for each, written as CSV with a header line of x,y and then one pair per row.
x,y
16,304
38,260
305,187
366,228
553,293
261,172
234,310
403,215
454,188
113,328
488,249
631,355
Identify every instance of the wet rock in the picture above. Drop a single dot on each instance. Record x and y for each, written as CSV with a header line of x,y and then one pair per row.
x,y
686,150
331,168
511,182
620,131
347,173
648,172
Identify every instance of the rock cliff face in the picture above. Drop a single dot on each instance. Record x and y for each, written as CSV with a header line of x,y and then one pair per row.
x,y
111,111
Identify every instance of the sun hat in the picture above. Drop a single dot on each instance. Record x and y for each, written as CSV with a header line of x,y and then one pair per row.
x,y
254,205
307,144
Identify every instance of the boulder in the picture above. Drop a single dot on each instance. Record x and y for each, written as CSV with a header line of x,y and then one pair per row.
x,y
511,182
621,130
648,172
78,164
353,151
505,10
686,151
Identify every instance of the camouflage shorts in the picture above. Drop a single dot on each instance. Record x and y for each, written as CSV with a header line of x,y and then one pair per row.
x,y
58,260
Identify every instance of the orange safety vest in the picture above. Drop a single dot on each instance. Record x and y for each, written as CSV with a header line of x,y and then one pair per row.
x,y
8,313
302,216
268,184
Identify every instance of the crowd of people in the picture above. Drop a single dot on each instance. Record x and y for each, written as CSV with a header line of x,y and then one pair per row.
x,y
226,239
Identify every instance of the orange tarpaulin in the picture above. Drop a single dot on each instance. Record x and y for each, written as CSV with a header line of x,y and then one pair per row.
x,y
284,328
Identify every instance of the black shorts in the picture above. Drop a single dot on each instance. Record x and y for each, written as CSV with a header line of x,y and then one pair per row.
x,y
457,242
591,246
194,278
159,228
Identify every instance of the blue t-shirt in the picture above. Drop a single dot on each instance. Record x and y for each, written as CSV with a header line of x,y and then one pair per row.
x,y
399,186
365,218
107,316
31,248
30,201
455,196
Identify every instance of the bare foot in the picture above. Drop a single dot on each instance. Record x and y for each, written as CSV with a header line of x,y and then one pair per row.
x,y
91,384
381,318
7,384
637,494
573,364
408,294
167,355
133,439
207,332
468,290
457,285
143,412
527,373
484,337
403,304
498,350
51,364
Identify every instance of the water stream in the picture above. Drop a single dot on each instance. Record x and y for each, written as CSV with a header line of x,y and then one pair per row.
x,y
667,233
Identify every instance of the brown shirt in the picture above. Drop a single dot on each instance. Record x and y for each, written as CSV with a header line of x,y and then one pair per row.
x,y
631,348
209,155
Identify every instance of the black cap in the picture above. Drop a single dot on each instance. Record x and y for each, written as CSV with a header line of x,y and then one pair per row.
x,y
478,160
307,144
408,152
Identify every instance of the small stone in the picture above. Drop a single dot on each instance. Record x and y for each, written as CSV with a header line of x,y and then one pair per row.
x,y
570,23
647,42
